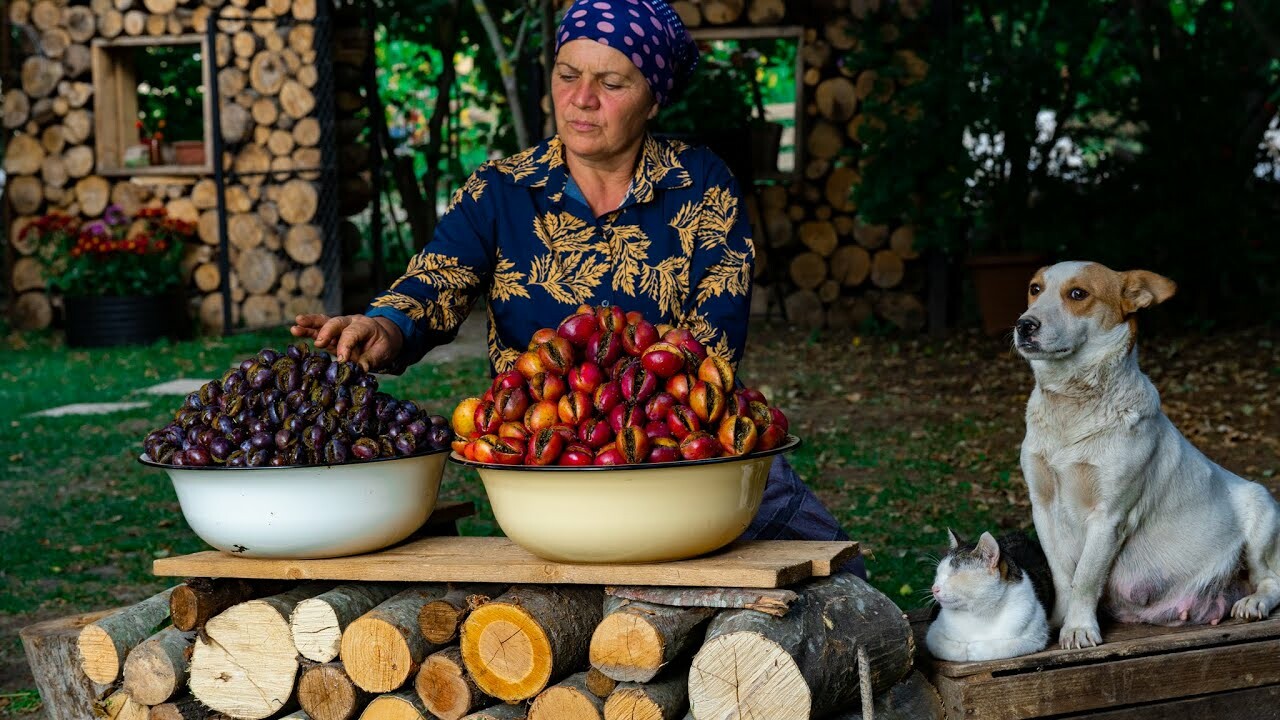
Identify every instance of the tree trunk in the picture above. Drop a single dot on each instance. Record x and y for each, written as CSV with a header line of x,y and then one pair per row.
x,y
440,619
156,669
46,14
666,698
77,126
296,100
569,699
635,640
105,643
721,12
808,270
383,648
267,73
262,311
245,664
810,654
326,692
819,236
311,281
766,12
317,623
903,242
507,62
887,269
517,644
444,686
53,655
805,310
26,194
298,202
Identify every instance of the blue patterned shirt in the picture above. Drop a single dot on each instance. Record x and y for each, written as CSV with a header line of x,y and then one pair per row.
x,y
677,249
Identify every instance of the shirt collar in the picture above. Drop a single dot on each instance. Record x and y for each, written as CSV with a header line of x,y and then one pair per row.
x,y
543,166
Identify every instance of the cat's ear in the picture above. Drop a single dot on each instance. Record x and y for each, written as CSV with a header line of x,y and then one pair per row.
x,y
953,539
989,550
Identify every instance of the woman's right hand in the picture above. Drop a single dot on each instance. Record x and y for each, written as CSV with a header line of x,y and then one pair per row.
x,y
372,342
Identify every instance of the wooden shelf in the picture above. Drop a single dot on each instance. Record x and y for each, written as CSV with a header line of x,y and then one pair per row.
x,y
754,564
175,170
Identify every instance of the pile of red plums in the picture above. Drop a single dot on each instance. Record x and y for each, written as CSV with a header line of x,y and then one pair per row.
x,y
607,387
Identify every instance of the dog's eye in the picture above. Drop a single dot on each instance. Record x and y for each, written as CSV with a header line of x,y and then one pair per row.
x,y
1034,289
1077,294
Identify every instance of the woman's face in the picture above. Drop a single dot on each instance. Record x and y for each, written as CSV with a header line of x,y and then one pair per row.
x,y
602,102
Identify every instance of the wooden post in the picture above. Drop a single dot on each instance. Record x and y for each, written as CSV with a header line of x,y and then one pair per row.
x,y
53,654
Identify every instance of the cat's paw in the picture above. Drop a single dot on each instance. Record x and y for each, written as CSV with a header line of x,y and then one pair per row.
x,y
1252,607
1075,636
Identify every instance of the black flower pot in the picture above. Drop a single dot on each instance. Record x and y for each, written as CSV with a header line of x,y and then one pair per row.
x,y
127,320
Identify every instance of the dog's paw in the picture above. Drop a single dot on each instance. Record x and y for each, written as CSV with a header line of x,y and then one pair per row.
x,y
1252,607
1082,635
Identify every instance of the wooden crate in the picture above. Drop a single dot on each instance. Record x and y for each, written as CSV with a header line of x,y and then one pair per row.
x,y
1140,672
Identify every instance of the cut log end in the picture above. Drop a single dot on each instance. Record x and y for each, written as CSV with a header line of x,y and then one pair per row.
x,y
714,679
626,648
507,652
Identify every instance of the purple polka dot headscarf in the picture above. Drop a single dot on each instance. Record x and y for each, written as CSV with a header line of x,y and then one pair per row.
x,y
648,32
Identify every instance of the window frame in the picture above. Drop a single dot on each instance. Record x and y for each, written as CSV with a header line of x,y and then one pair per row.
x,y
115,93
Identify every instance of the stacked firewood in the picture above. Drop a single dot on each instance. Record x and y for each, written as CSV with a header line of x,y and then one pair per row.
x,y
255,649
265,67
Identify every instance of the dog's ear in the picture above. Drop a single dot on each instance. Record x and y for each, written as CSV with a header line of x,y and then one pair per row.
x,y
989,550
1143,289
953,539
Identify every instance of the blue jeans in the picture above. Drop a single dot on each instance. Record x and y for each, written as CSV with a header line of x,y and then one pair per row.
x,y
790,511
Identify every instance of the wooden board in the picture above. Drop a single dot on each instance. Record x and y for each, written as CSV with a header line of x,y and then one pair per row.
x,y
757,563
1140,672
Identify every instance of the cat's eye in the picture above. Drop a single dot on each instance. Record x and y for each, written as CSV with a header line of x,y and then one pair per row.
x,y
1077,294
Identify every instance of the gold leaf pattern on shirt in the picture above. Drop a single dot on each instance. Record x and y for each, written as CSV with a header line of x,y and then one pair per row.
x,y
503,358
628,247
568,278
474,186
554,156
399,301
563,232
718,214
657,161
441,271
507,281
664,282
685,224
519,166
448,311
701,328
731,276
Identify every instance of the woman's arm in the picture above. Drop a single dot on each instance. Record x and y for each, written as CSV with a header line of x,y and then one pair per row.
x,y
429,302
719,301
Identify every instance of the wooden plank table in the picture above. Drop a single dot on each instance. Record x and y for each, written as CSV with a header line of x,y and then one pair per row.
x,y
1140,672
753,564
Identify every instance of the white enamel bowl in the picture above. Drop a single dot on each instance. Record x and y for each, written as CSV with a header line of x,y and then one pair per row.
x,y
627,513
315,511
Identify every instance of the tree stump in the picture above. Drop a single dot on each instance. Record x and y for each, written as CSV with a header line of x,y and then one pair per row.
x,y
53,655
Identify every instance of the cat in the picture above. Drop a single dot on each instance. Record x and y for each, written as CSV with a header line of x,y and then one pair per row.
x,y
995,598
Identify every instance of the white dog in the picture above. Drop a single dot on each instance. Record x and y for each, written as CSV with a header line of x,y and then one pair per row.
x,y
1130,514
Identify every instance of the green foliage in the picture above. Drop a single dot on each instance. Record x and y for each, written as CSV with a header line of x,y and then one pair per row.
x,y
111,257
171,88
734,79
1128,133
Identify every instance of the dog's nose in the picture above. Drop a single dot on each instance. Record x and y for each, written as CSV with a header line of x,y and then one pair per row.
x,y
1027,326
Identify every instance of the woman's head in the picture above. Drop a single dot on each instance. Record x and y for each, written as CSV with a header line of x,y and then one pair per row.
x,y
617,62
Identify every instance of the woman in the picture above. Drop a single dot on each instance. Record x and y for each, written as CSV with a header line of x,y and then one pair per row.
x,y
602,213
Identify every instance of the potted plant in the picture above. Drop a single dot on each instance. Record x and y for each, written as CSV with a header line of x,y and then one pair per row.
x,y
118,276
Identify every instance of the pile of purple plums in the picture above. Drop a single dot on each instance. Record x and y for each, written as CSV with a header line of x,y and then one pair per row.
x,y
299,407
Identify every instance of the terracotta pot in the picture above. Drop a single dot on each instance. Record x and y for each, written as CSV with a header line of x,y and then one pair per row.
x,y
188,152
1000,283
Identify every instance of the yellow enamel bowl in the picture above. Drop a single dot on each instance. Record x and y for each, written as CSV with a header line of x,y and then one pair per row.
x,y
308,511
627,513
